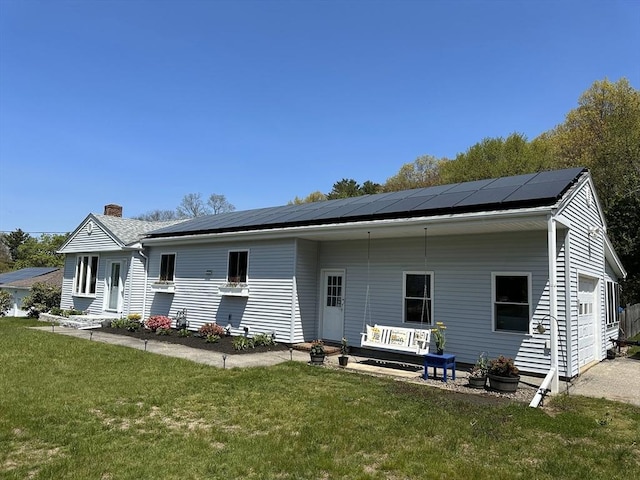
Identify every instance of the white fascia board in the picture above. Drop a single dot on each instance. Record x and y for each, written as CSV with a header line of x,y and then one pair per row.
x,y
484,218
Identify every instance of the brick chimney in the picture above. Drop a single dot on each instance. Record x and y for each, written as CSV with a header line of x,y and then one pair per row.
x,y
113,210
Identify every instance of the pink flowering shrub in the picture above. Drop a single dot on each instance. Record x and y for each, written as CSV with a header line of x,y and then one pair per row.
x,y
211,329
158,322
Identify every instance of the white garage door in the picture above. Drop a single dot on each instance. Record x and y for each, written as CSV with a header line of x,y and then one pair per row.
x,y
586,322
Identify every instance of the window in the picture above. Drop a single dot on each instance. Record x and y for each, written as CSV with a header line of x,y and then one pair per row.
x,y
167,267
613,301
511,305
86,275
237,271
418,305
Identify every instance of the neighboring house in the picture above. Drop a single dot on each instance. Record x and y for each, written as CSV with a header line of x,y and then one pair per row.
x,y
19,284
495,260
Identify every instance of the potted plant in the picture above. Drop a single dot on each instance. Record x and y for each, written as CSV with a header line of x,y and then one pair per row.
x,y
478,373
439,337
343,359
503,374
317,352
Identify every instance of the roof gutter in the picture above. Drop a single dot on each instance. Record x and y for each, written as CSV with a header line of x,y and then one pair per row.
x,y
280,232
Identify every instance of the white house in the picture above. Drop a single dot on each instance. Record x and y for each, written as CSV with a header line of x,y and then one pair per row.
x,y
495,260
18,283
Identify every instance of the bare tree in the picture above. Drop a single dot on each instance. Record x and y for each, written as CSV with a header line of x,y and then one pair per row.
x,y
219,204
192,206
158,215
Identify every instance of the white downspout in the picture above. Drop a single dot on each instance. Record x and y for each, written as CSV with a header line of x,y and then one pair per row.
x,y
146,274
553,302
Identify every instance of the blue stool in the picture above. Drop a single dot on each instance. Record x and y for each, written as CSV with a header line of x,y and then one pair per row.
x,y
444,361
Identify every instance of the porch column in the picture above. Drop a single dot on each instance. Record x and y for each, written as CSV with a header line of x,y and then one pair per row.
x,y
553,302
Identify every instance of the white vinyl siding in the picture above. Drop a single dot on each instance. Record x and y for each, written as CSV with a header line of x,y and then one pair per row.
x,y
202,269
462,265
586,258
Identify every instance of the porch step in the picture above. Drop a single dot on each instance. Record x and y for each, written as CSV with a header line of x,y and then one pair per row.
x,y
85,322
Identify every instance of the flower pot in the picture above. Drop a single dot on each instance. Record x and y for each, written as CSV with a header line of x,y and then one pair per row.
x,y
317,359
503,384
439,351
343,360
477,382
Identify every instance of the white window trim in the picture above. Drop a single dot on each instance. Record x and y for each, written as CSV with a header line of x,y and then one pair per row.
x,y
611,310
77,272
237,250
404,295
493,301
175,264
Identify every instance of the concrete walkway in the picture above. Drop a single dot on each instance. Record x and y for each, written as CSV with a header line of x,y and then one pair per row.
x,y
617,380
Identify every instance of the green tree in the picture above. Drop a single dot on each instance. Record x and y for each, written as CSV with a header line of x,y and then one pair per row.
x,y
603,134
42,298
6,301
316,196
424,171
498,157
41,252
13,241
345,188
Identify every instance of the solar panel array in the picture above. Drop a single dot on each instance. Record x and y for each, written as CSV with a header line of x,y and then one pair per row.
x,y
535,189
25,274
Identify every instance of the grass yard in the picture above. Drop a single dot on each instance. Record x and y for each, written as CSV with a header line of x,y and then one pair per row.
x,y
77,409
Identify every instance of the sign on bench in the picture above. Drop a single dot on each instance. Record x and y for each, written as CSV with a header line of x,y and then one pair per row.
x,y
410,340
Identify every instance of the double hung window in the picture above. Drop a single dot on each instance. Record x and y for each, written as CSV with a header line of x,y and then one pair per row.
x,y
86,275
167,267
238,266
418,295
511,302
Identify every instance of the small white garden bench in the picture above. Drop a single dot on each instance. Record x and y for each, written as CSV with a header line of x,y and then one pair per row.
x,y
399,339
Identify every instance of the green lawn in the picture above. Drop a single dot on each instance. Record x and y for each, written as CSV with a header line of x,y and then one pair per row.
x,y
77,409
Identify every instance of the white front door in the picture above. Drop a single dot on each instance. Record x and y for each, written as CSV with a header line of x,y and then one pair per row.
x,y
586,322
115,287
333,304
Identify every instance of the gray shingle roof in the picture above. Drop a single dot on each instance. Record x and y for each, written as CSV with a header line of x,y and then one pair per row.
x,y
53,276
520,191
25,274
129,230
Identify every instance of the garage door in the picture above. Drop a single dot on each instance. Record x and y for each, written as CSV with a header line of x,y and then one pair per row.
x,y
586,322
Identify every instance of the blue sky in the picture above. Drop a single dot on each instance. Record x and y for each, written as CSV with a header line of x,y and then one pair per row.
x,y
141,102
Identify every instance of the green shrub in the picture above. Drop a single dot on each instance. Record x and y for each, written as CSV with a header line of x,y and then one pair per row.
x,y
57,311
184,333
212,338
6,302
242,343
42,298
131,325
263,340
163,331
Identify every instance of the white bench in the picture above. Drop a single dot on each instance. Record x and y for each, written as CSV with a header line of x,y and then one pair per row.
x,y
400,339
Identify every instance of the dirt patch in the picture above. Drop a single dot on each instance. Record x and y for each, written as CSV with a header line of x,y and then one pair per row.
x,y
224,345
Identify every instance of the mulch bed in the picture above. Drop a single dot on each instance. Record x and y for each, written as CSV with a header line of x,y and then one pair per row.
x,y
224,345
